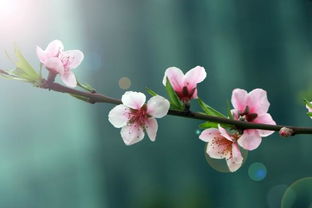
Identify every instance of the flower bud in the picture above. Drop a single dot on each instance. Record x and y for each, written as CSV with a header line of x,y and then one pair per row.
x,y
286,132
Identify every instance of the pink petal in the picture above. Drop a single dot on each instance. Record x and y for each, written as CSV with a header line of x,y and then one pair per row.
x,y
224,133
258,101
54,48
235,114
158,106
219,147
134,100
194,96
69,79
151,127
236,161
55,65
265,119
132,134
72,58
250,139
208,134
239,99
119,116
176,78
194,76
41,55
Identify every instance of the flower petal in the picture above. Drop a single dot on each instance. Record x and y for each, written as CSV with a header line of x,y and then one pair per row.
x,y
54,48
194,76
224,133
257,101
119,116
72,58
41,55
208,134
55,65
132,134
151,127
69,79
158,106
134,100
239,99
219,147
176,78
236,160
250,139
265,119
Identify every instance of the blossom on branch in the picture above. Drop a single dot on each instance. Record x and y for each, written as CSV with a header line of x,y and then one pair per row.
x,y
222,145
185,85
61,62
134,116
251,107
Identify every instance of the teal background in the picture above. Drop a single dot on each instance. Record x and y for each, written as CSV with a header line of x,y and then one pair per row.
x,y
56,151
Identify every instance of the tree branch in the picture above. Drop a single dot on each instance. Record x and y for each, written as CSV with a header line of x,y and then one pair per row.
x,y
100,98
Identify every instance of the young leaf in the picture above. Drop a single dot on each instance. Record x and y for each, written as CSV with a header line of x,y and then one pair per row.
x,y
208,124
24,69
81,98
228,109
175,101
308,103
209,110
86,86
309,114
151,92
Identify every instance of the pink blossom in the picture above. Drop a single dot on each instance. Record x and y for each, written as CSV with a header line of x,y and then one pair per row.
x,y
185,85
134,116
222,145
61,62
251,107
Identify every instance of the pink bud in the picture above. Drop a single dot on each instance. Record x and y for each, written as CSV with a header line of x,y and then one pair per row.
x,y
286,132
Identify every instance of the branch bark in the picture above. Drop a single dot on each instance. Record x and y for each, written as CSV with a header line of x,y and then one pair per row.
x,y
100,98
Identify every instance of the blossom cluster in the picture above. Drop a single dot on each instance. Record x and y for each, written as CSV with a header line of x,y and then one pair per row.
x,y
135,116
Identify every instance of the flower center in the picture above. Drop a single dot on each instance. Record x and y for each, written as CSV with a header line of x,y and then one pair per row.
x,y
247,116
185,95
139,116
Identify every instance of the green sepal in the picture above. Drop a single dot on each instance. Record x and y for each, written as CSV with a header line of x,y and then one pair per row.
x,y
175,102
86,87
308,103
151,92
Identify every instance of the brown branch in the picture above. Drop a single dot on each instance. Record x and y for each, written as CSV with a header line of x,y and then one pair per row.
x,y
100,98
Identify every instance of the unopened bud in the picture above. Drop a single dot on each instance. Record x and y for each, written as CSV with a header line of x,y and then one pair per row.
x,y
286,132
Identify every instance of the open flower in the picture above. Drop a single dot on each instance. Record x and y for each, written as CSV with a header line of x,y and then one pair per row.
x,y
222,145
251,107
185,85
58,61
134,116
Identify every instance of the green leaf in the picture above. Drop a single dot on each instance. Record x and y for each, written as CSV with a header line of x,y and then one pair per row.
x,y
209,110
86,86
308,103
309,114
228,109
80,97
208,124
24,70
175,102
151,92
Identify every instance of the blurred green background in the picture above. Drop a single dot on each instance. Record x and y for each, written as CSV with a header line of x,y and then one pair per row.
x,y
56,151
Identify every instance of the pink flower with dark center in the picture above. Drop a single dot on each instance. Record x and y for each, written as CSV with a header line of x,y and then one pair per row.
x,y
134,116
58,61
185,85
222,145
251,107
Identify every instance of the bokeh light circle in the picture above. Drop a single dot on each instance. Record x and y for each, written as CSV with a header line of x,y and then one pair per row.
x,y
124,83
257,171
298,194
220,164
275,194
197,132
